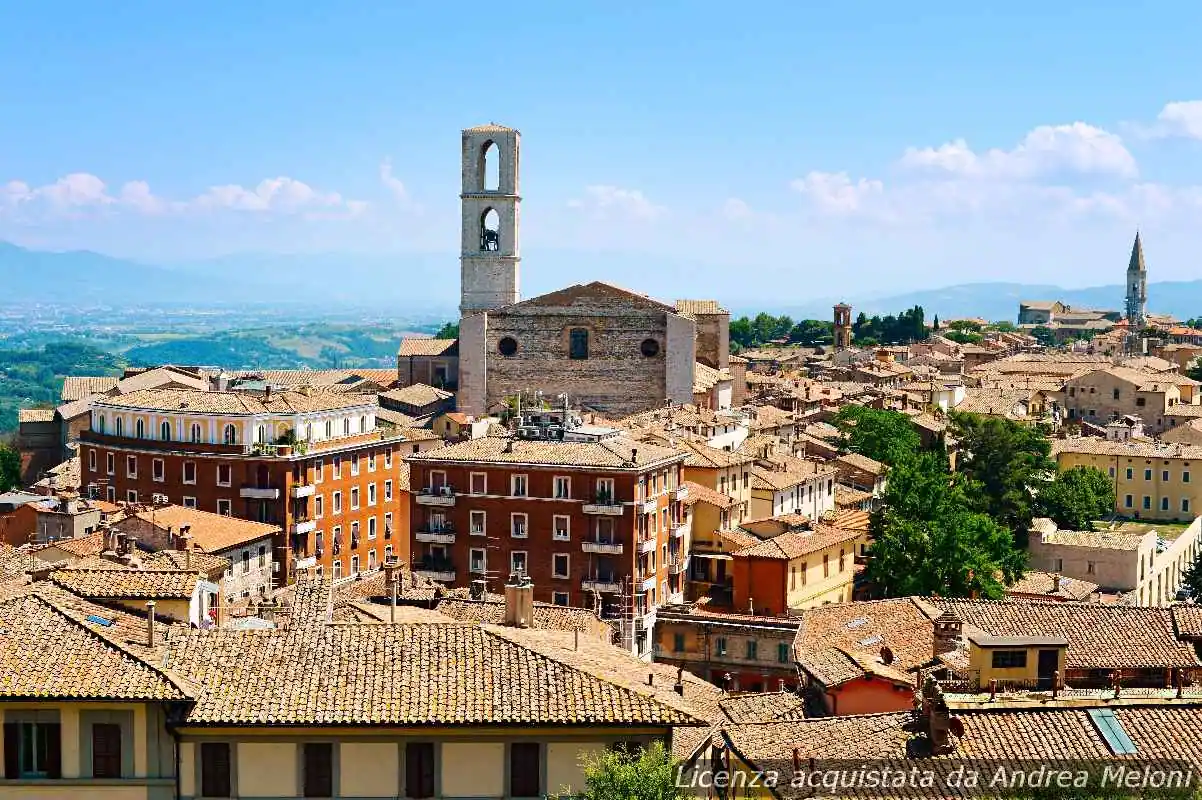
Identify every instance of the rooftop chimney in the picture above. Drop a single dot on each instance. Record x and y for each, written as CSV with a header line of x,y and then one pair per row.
x,y
679,687
519,601
948,629
150,623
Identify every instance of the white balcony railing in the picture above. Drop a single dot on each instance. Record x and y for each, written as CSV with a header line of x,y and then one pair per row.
x,y
608,508
259,493
604,585
438,496
649,506
680,493
303,490
647,545
302,527
603,548
435,537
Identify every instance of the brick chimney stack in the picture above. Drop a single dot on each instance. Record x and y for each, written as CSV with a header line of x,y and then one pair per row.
x,y
948,630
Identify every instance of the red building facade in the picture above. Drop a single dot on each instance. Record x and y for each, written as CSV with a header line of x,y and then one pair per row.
x,y
597,524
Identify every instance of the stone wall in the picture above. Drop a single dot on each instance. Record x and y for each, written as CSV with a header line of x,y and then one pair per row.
x,y
713,339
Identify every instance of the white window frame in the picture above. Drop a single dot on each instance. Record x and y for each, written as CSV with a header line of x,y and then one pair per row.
x,y
91,460
471,485
354,464
388,459
336,504
337,467
557,596
230,480
354,563
184,473
567,528
371,494
319,466
371,461
158,470
388,524
566,481
319,506
131,495
513,561
110,463
567,572
229,507
388,491
471,560
188,502
605,486
354,498
337,568
371,527
525,518
471,517
524,480
131,471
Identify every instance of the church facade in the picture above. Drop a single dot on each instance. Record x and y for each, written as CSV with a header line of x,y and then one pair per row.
x,y
609,349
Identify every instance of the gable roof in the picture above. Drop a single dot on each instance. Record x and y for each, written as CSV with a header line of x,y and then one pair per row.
x,y
615,453
111,584
587,294
48,652
417,395
210,532
795,544
840,642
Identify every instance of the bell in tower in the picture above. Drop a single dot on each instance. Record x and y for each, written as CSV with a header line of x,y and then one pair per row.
x,y
489,255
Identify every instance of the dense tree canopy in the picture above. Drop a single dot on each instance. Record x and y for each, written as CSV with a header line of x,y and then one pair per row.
x,y
908,326
928,539
746,332
1005,463
643,774
1077,497
10,468
449,330
887,436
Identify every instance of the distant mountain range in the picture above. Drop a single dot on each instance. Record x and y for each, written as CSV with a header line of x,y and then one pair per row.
x,y
86,278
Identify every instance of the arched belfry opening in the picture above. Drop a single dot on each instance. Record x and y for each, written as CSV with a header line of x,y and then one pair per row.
x,y
490,230
490,166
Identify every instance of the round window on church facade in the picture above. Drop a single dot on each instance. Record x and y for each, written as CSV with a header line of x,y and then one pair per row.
x,y
507,346
649,348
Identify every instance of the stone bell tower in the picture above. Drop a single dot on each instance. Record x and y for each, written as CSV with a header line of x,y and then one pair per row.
x,y
489,252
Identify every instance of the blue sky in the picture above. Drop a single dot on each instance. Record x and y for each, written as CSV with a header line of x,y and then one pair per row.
x,y
745,151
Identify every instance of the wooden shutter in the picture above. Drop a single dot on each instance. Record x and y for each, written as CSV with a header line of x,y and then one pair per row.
x,y
12,761
319,769
215,769
106,750
525,768
419,769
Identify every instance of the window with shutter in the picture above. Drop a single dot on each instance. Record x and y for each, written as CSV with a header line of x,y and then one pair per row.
x,y
215,769
319,769
106,750
419,769
32,750
525,769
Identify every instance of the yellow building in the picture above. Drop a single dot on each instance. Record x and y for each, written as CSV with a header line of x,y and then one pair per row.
x,y
1152,480
313,708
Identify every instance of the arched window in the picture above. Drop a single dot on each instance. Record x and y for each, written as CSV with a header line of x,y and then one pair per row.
x,y
139,429
120,426
490,167
490,230
230,435
196,432
578,343
165,431
329,429
346,427
363,424
100,423
261,434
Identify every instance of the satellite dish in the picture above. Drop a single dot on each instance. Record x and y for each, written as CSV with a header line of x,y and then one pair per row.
x,y
956,725
886,656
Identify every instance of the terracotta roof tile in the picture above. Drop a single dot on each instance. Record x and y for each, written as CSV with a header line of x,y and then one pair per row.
x,y
698,493
422,346
615,453
796,544
210,532
104,584
417,394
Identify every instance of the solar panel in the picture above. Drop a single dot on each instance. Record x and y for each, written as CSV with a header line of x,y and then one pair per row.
x,y
1112,731
99,620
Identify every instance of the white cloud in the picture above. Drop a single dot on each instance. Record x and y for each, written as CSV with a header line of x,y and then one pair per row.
x,y
608,201
1048,150
736,209
1181,119
282,194
391,182
836,193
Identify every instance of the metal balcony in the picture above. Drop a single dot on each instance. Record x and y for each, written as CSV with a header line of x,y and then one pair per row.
x,y
439,570
259,493
436,535
442,497
303,526
602,583
302,490
604,507
603,548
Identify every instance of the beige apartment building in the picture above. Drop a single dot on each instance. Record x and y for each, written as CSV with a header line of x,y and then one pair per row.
x,y
1102,394
1152,480
1129,562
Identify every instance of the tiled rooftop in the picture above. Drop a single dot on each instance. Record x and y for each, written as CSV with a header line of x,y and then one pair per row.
x,y
240,403
615,453
210,532
420,346
149,584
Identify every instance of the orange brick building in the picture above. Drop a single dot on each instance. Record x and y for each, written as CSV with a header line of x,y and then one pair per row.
x,y
595,522
313,463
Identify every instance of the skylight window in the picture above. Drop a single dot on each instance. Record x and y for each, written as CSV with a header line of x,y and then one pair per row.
x,y
1112,731
99,620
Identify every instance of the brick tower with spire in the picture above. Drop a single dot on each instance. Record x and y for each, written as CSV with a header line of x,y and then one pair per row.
x,y
1137,296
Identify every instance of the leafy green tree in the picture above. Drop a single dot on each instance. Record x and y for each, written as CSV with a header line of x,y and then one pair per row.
x,y
1077,497
964,337
10,468
935,323
645,774
1192,579
1004,462
1044,335
449,330
887,436
812,332
1195,370
1004,326
928,539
